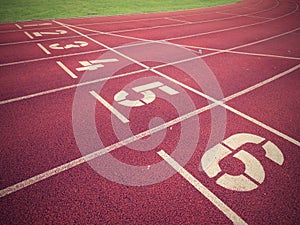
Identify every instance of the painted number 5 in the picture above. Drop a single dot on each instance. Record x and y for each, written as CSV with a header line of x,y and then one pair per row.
x,y
146,90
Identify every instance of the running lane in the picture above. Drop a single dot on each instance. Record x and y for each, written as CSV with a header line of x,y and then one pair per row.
x,y
114,127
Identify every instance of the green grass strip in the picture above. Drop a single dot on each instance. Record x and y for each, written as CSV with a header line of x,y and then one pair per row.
x,y
20,10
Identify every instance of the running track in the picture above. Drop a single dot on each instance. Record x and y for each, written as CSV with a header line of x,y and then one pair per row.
x,y
55,171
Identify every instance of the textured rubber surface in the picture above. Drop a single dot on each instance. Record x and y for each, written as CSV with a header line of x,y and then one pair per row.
x,y
43,72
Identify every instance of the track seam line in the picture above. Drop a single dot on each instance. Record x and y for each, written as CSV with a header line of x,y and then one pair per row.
x,y
182,21
12,63
232,28
124,30
187,87
233,14
67,70
44,40
217,202
25,183
3,102
43,48
128,30
134,20
157,67
66,166
28,35
242,52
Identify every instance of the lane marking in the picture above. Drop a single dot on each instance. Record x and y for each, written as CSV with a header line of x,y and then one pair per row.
x,y
170,25
215,104
187,87
113,110
221,103
94,64
246,15
103,45
260,84
51,57
43,48
37,25
259,123
45,39
28,35
154,27
18,26
64,167
147,19
227,211
83,53
67,70
233,28
127,36
177,20
3,102
40,177
241,52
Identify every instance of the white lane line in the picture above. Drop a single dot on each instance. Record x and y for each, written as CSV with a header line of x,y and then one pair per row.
x,y
146,19
73,163
18,26
43,48
241,52
103,45
183,85
233,28
266,39
246,15
95,32
113,110
228,212
259,123
144,28
28,35
168,26
45,39
7,101
251,88
177,20
35,179
157,67
220,103
67,70
51,57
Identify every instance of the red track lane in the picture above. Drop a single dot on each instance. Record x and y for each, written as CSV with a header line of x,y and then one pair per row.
x,y
36,35
251,70
41,132
291,47
232,38
171,32
281,101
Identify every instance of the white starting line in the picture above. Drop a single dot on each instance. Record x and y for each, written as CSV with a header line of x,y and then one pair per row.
x,y
44,49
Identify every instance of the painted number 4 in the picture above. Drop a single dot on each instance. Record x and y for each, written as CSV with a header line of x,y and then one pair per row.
x,y
147,92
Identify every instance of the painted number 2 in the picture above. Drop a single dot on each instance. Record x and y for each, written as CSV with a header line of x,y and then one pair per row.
x,y
146,90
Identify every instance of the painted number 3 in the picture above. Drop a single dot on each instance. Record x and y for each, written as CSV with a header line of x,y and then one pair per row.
x,y
147,92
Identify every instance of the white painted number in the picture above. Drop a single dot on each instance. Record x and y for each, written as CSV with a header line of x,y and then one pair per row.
x,y
57,32
254,171
37,25
146,90
94,64
77,44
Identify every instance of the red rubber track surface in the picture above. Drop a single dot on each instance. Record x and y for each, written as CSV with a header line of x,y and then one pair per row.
x,y
252,51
